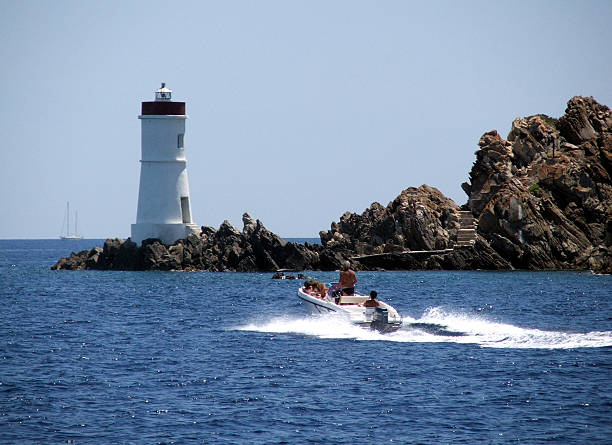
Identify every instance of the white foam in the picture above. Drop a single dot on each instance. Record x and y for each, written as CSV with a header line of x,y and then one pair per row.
x,y
447,327
324,326
499,335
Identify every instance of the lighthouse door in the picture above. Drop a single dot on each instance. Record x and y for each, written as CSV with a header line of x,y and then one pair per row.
x,y
185,210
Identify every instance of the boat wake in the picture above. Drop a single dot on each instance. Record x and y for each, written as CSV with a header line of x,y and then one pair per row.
x,y
437,326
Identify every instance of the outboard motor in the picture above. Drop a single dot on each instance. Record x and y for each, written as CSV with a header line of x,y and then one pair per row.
x,y
381,319
369,314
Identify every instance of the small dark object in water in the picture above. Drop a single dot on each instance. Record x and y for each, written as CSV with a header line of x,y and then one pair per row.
x,y
282,276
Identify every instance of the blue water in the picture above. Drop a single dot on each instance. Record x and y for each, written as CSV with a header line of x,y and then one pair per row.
x,y
172,357
304,240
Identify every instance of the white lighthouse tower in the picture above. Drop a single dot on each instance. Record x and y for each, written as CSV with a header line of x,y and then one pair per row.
x,y
164,210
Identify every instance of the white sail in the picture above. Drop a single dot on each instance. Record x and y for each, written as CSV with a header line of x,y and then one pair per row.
x,y
68,235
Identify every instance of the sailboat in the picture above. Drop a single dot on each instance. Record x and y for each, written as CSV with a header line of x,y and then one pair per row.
x,y
69,235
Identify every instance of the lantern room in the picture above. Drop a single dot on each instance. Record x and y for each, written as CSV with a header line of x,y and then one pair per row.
x,y
163,94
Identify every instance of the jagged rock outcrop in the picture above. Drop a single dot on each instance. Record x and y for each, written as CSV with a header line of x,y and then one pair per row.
x,y
418,219
225,249
543,198
417,230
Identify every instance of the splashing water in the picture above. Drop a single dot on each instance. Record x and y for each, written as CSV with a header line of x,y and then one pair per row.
x,y
437,326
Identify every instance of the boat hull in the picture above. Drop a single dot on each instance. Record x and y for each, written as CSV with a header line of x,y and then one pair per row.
x,y
71,237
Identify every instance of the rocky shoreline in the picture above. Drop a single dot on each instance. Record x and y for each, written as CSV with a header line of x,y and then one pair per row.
x,y
540,200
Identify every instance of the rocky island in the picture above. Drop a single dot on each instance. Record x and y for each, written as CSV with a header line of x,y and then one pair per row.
x,y
539,200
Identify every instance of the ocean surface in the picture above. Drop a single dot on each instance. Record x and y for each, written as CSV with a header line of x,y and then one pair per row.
x,y
198,357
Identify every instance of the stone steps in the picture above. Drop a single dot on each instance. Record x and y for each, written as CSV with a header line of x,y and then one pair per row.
x,y
466,236
467,220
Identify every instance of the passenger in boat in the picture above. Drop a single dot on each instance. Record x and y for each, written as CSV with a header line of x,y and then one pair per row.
x,y
348,279
321,290
315,289
309,287
372,301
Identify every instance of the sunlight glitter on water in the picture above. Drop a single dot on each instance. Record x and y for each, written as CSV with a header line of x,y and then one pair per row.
x,y
437,326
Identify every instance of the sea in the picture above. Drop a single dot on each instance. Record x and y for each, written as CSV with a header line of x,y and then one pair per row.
x,y
235,358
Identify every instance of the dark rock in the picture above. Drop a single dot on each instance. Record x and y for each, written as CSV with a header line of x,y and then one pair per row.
x,y
544,199
226,249
76,261
93,258
418,219
110,253
156,255
128,257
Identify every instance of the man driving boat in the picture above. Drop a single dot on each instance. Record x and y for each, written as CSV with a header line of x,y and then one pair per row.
x,y
347,281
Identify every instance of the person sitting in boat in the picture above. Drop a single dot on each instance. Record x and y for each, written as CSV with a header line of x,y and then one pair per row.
x,y
321,291
309,287
372,301
348,279
314,289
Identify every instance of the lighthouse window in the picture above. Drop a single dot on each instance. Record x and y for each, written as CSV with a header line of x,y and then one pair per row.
x,y
179,143
185,210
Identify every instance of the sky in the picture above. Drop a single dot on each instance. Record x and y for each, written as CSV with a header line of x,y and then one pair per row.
x,y
298,110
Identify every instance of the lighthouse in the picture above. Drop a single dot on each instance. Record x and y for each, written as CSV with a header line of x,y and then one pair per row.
x,y
164,208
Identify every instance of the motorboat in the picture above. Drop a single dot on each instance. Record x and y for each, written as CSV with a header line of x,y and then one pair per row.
x,y
383,318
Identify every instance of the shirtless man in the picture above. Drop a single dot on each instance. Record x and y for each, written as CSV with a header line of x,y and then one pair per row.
x,y
372,301
348,279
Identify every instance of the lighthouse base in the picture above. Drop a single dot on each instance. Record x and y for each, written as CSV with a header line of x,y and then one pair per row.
x,y
167,233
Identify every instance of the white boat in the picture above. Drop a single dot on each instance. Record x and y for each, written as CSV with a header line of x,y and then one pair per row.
x,y
383,318
68,235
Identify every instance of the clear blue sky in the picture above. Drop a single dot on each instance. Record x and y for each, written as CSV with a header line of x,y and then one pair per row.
x,y
298,110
